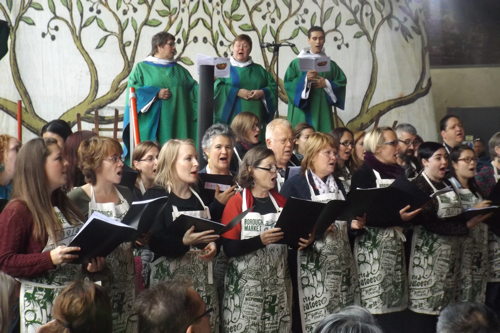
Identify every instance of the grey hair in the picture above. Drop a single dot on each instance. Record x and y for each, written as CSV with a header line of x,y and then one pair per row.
x,y
213,131
405,127
276,123
492,143
352,319
467,317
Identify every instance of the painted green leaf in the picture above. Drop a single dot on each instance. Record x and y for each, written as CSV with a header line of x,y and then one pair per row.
x,y
101,42
227,14
163,12
184,36
359,34
295,33
263,32
304,30
295,49
328,13
206,24
70,5
278,13
216,36
36,6
88,21
246,27
194,23
80,7
350,22
9,5
338,20
313,19
206,9
153,23
286,2
140,2
372,20
195,8
127,43
166,3
273,32
235,4
118,4
222,30
237,17
52,7
125,24
134,24
178,27
174,11
186,61
336,2
101,25
356,9
379,7
27,20
64,3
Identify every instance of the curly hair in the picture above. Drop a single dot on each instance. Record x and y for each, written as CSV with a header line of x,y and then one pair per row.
x,y
92,153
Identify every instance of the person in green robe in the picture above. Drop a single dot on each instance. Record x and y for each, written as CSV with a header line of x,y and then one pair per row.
x,y
249,88
311,95
166,93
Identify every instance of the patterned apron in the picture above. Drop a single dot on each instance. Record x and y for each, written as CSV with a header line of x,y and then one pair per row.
x,y
38,294
190,266
258,291
346,178
327,274
494,246
379,254
474,266
120,280
435,261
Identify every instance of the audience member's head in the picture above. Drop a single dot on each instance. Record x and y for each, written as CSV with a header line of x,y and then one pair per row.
x,y
452,130
57,129
9,147
145,161
344,141
301,133
494,146
359,151
352,319
479,147
173,307
279,138
467,318
217,145
406,134
70,154
246,128
100,157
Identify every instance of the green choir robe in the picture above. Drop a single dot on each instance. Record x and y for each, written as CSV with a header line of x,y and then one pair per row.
x,y
317,109
251,77
175,117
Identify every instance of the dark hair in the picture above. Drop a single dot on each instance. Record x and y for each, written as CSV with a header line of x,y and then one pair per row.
x,y
352,319
166,307
70,153
427,149
83,307
243,38
57,126
159,40
252,158
300,127
467,317
313,29
454,156
444,121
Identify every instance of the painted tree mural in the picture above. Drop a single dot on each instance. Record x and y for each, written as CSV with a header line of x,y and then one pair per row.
x,y
211,25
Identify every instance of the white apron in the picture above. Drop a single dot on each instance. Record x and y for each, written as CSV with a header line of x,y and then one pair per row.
x,y
379,254
199,271
120,284
327,274
38,294
435,261
346,179
258,291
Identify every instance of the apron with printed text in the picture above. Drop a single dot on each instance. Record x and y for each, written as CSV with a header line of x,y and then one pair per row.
x,y
435,261
379,254
258,291
120,282
327,273
38,294
198,271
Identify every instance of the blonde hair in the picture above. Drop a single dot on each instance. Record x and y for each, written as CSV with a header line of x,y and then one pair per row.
x,y
167,175
31,187
242,124
92,153
4,146
356,162
314,144
375,138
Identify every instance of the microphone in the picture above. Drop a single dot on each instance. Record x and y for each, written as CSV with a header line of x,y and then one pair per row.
x,y
267,45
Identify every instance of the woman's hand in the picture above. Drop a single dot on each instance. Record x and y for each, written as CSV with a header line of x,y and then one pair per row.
x,y
143,239
96,264
319,83
164,93
312,75
473,222
271,236
244,93
256,94
194,238
406,215
61,254
303,242
209,252
223,197
359,222
483,204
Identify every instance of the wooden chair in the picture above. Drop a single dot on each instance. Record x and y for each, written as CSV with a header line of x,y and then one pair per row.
x,y
99,129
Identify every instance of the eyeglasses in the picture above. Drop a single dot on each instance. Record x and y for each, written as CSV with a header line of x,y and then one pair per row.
x,y
284,141
392,143
273,168
114,159
409,142
347,143
204,314
149,159
468,160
